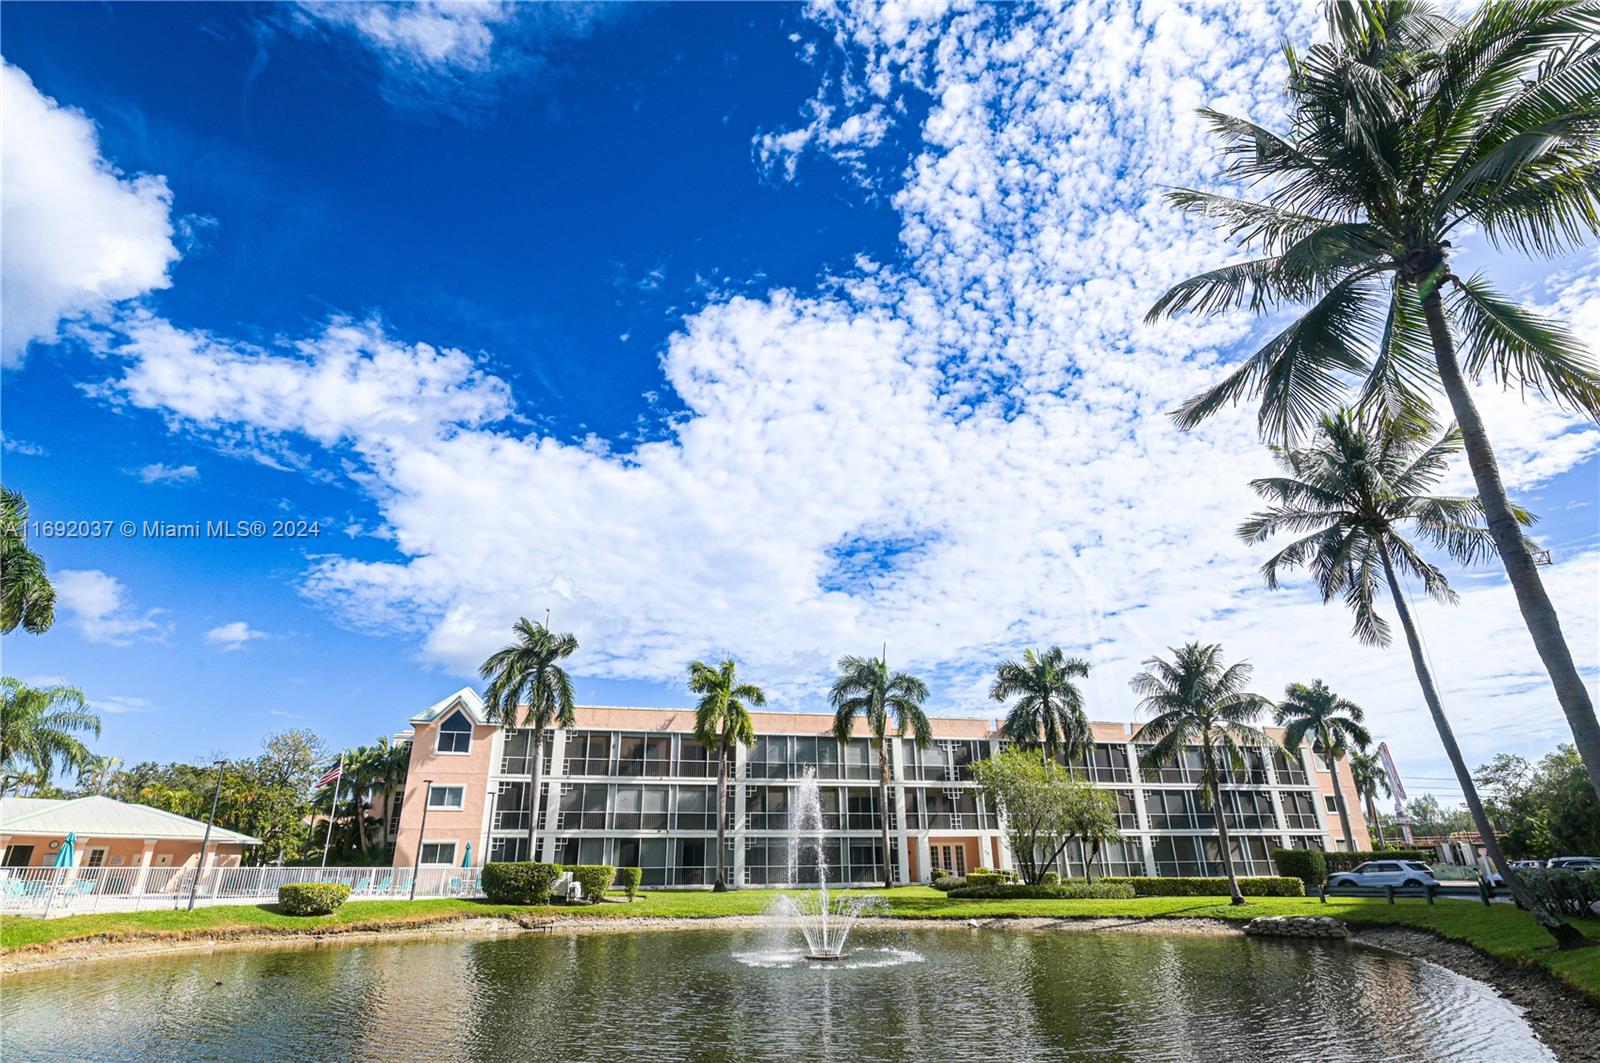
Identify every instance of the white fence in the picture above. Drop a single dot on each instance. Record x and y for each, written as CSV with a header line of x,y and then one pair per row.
x,y
53,891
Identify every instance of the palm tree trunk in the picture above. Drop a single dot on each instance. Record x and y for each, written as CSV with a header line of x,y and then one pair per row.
x,y
1537,611
537,772
1338,797
883,798
1566,935
1372,818
722,817
1234,892
360,819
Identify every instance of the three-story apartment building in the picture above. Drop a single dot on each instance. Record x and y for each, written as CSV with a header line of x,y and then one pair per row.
x,y
633,788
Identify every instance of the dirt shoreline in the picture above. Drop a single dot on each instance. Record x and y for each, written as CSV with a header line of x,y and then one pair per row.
x,y
1564,1019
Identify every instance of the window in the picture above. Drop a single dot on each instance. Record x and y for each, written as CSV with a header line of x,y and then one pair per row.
x,y
1291,769
502,850
511,806
514,759
455,735
446,796
695,761
439,853
19,855
1330,804
96,858
589,753
1299,811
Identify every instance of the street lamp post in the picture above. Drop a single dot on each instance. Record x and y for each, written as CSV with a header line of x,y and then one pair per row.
x,y
422,834
205,842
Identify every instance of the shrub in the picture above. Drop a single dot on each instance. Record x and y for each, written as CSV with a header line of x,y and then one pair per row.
x,y
519,882
1568,892
311,898
937,873
1212,887
1348,861
595,879
1017,891
1307,865
629,878
989,876
949,882
1050,878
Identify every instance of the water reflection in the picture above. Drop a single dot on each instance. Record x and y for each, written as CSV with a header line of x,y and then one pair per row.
x,y
683,994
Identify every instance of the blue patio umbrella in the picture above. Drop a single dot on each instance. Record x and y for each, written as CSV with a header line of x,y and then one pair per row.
x,y
467,861
68,847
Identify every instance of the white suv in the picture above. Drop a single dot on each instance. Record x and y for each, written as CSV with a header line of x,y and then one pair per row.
x,y
1576,863
1386,873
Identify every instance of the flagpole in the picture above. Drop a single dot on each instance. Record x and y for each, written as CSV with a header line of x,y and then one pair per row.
x,y
333,807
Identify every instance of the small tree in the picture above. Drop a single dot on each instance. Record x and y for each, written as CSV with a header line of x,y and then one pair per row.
x,y
1044,808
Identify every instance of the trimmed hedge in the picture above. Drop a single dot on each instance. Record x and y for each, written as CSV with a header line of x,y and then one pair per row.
x,y
1308,865
311,898
1568,892
1348,861
1261,886
946,883
1017,891
1050,878
630,877
519,882
989,876
595,879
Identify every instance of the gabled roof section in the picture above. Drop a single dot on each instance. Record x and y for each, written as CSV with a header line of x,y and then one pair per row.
x,y
101,817
466,699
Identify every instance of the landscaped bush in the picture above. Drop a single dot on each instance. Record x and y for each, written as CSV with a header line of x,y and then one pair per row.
x,y
1568,892
1348,861
989,876
1307,865
948,883
594,878
519,882
1017,891
937,873
629,878
1262,886
312,898
1454,872
1050,878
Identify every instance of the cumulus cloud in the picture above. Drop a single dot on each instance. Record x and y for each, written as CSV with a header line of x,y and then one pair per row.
x,y
963,452
431,34
158,473
97,606
80,235
233,636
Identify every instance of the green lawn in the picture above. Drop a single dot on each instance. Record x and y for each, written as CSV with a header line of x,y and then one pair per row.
x,y
1501,931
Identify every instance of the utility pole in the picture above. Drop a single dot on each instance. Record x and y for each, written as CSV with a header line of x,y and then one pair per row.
x,y
422,833
205,842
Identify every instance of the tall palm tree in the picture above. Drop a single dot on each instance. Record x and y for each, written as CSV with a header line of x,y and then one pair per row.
x,y
1048,711
388,763
1196,702
1348,496
1335,724
1370,777
721,719
527,674
1409,127
867,688
39,728
27,600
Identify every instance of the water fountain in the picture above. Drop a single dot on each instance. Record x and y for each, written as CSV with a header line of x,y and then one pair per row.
x,y
824,919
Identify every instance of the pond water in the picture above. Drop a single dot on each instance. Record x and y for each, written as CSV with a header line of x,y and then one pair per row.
x,y
718,995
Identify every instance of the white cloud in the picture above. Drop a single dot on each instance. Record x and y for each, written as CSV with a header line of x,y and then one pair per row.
x,y
118,704
79,235
233,636
428,33
964,453
159,473
24,447
97,605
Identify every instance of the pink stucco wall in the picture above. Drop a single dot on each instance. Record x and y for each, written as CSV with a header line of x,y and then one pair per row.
x,y
470,771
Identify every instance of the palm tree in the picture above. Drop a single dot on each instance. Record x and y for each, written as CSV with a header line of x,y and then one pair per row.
x,y
526,674
1048,712
26,598
1409,127
1347,497
387,764
40,726
1370,777
1337,725
867,688
97,772
1196,702
721,719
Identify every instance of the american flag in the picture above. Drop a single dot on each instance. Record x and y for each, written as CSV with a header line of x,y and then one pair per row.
x,y
332,774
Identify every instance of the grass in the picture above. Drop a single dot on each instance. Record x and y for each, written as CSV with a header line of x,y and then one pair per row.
x,y
1500,931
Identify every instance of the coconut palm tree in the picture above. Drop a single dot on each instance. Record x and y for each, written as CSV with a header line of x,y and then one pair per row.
x,y
866,688
27,600
387,766
1195,701
1348,496
1331,722
1048,711
1408,127
721,719
39,729
527,674
1370,777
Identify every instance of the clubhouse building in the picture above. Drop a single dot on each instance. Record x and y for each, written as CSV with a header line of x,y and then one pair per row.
x,y
633,788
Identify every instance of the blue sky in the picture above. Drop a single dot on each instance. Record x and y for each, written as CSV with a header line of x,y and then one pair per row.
x,y
713,329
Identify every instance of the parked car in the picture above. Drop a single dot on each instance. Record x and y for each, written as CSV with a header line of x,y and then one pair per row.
x,y
1575,863
1386,873
1494,878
